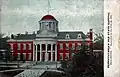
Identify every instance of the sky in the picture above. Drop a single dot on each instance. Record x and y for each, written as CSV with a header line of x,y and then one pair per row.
x,y
18,16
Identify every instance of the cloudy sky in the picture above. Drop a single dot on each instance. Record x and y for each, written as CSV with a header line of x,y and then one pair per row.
x,y
18,16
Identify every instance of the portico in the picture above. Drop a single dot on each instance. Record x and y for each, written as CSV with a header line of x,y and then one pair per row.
x,y
45,51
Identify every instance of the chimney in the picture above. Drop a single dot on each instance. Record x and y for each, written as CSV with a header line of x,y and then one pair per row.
x,y
91,34
12,36
33,32
26,32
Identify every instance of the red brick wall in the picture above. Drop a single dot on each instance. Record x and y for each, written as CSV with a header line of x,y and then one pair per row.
x,y
64,51
26,51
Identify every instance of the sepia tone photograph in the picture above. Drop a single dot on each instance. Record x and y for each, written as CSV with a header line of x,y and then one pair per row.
x,y
52,38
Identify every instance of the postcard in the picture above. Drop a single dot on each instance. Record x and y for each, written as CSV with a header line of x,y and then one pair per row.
x,y
59,38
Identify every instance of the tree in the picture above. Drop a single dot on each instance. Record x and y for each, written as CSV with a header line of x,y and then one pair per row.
x,y
85,64
5,50
99,41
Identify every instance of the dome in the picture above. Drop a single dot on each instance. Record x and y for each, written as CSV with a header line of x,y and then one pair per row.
x,y
48,17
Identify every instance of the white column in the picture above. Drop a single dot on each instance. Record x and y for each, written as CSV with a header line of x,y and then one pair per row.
x,y
33,51
55,52
36,51
40,52
46,55
51,52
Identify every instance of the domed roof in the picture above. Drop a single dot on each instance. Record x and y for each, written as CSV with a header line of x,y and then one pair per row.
x,y
48,17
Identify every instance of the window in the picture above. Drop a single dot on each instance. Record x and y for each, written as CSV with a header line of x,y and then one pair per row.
x,y
61,46
43,47
50,25
61,56
29,47
11,46
79,36
24,46
18,58
79,46
29,56
49,47
73,46
67,46
43,25
18,46
67,56
88,46
67,36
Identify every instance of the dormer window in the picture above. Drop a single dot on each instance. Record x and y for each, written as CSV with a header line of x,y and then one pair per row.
x,y
79,36
67,36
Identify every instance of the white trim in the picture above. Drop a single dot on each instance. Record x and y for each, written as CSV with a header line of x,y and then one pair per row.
x,y
24,46
19,46
29,46
12,40
36,51
67,46
33,52
46,54
61,46
47,21
11,45
55,52
51,52
40,52
45,39
71,40
79,36
88,39
73,46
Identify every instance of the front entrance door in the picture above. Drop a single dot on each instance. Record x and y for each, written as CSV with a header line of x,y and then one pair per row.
x,y
43,56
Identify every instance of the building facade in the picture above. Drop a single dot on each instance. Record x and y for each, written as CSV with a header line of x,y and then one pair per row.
x,y
49,44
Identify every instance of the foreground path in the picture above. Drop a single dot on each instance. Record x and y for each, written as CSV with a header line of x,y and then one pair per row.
x,y
37,69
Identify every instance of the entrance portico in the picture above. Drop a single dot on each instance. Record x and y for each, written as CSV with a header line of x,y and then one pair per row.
x,y
45,52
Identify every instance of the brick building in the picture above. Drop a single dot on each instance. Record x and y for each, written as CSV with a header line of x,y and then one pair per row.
x,y
49,44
